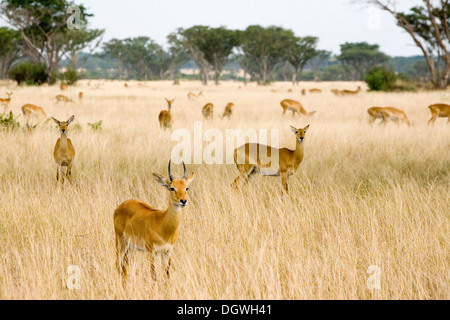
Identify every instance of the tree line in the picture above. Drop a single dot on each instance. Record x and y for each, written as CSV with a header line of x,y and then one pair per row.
x,y
39,34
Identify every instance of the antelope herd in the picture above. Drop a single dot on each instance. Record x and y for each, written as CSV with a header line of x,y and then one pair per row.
x,y
138,225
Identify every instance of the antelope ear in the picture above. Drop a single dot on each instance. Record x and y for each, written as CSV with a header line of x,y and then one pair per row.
x,y
160,180
70,119
56,121
306,128
190,178
294,130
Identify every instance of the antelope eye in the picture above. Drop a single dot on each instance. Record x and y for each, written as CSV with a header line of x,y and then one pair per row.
x,y
187,189
172,189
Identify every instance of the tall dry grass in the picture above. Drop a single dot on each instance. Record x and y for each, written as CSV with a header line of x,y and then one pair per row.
x,y
362,196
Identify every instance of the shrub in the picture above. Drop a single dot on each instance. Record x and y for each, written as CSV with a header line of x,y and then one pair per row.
x,y
29,73
96,126
381,79
8,122
70,77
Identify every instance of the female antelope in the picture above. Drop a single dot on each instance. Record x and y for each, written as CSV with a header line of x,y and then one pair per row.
x,y
139,226
249,161
208,111
165,117
228,112
64,152
439,110
294,106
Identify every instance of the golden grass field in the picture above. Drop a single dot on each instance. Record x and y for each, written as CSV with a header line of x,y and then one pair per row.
x,y
362,196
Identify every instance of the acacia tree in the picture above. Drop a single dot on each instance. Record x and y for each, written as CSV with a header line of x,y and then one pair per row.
x,y
217,45
10,49
78,40
360,57
321,57
298,52
42,25
429,27
263,49
178,55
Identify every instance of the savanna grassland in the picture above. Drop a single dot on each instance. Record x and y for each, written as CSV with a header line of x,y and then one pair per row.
x,y
363,196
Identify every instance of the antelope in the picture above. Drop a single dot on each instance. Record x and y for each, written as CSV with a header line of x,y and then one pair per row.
x,y
208,111
6,101
294,106
351,91
395,115
287,161
228,112
386,114
376,113
193,96
62,98
439,110
273,90
289,91
63,87
303,92
315,90
31,111
80,95
64,152
125,85
138,226
336,91
165,116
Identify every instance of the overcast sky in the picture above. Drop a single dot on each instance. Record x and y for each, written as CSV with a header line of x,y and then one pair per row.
x,y
333,21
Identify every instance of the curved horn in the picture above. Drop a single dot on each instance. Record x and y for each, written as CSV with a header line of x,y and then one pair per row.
x,y
185,171
170,172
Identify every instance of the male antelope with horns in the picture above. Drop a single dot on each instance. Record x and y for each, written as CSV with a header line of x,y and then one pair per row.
x,y
139,226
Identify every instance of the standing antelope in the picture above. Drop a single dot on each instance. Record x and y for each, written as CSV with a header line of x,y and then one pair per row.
x,y
303,92
6,101
139,226
80,95
165,116
315,90
439,110
288,160
31,111
63,87
294,106
193,96
208,111
228,112
351,92
63,98
125,85
64,152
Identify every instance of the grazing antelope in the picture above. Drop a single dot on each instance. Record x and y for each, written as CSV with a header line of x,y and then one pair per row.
x,y
351,92
288,160
387,114
315,90
31,111
376,113
294,106
439,110
192,96
165,116
228,112
139,226
63,98
208,111
395,115
64,152
63,87
6,101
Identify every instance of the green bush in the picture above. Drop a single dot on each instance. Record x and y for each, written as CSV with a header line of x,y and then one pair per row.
x,y
29,73
70,77
8,122
381,79
96,126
